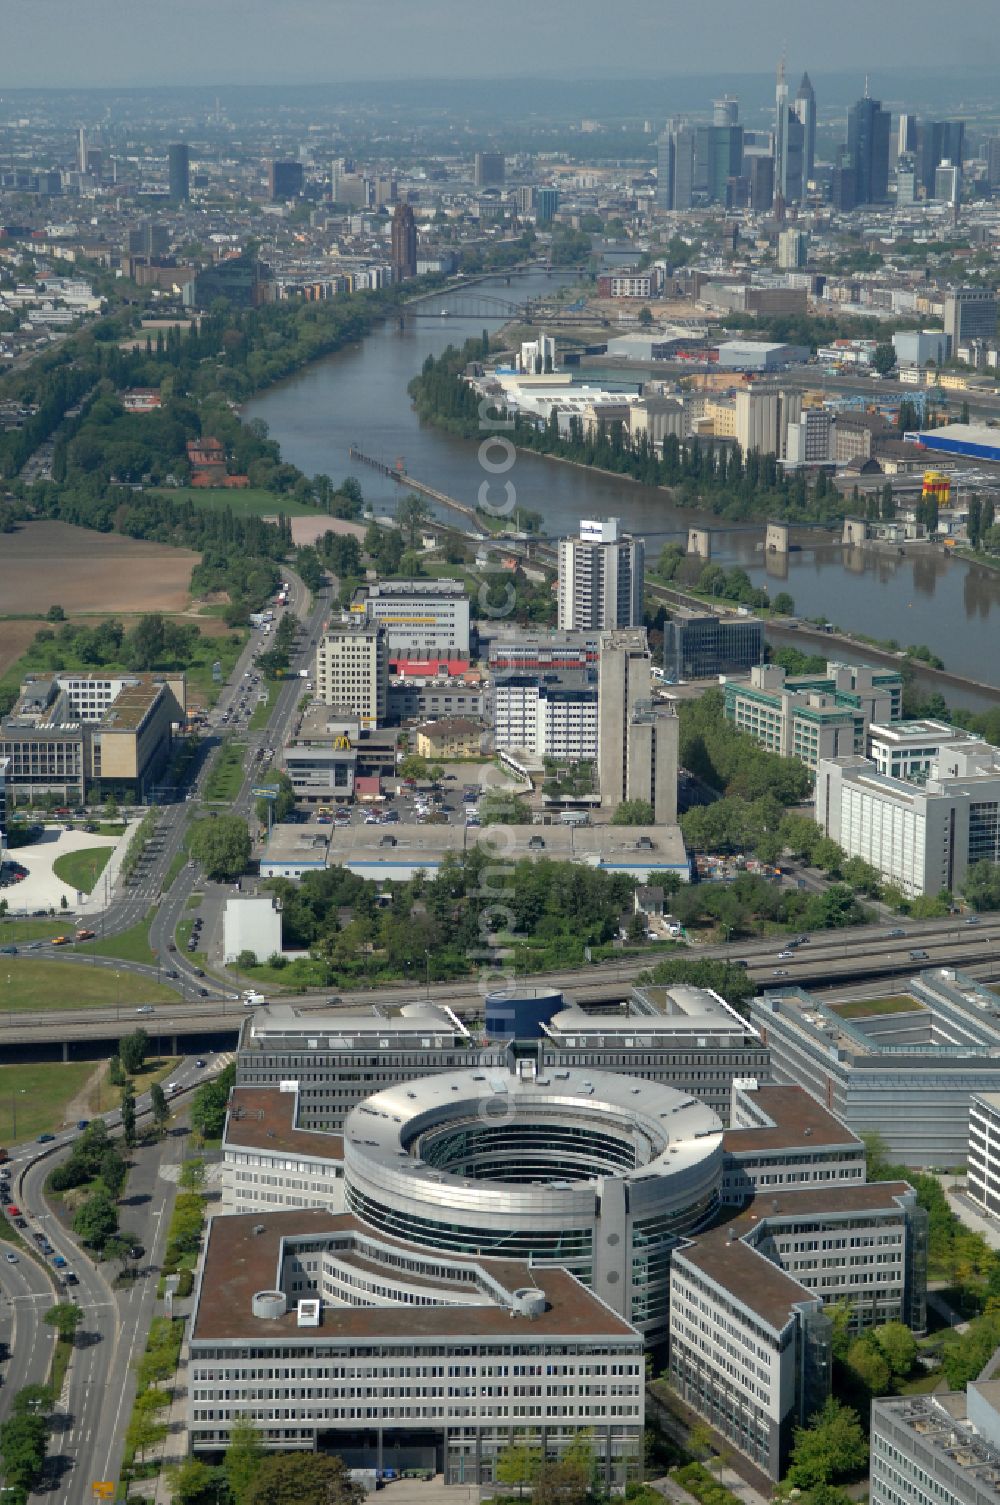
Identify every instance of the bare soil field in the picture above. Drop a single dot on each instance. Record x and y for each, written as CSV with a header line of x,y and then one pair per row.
x,y
47,562
309,529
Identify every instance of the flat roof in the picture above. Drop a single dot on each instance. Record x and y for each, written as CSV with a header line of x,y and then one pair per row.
x,y
414,1019
798,1120
243,1256
263,1118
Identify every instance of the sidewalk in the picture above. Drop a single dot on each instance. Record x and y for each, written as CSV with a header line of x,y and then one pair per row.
x,y
107,884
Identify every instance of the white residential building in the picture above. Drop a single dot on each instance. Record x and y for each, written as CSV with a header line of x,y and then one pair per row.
x,y
983,1173
923,838
553,716
600,578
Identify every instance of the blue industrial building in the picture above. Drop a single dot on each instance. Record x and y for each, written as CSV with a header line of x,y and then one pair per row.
x,y
971,441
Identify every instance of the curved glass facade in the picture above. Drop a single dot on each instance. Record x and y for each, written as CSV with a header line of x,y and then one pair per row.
x,y
564,1246
546,1151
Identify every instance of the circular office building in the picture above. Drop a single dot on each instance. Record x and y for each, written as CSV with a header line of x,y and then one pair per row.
x,y
598,1172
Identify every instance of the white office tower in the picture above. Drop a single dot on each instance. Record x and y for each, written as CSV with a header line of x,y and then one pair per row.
x,y
637,737
600,577
352,669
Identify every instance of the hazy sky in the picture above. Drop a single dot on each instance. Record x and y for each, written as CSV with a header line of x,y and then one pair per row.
x,y
69,43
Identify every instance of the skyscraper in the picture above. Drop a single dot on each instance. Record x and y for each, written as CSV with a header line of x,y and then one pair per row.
x,y
780,132
179,170
805,111
546,205
907,139
81,148
868,131
404,243
684,165
284,180
725,111
665,170
490,169
938,141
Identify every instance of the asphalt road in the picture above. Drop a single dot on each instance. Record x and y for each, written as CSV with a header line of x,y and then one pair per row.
x,y
93,1412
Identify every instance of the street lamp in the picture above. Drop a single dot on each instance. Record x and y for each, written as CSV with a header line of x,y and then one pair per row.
x,y
118,995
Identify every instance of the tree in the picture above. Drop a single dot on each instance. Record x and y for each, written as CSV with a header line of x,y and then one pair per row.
x,y
519,1464
133,1050
65,1318
192,1175
645,317
827,855
303,1479
160,1107
866,1360
412,513
634,813
113,1171
413,767
564,1483
96,1219
784,604
884,358
128,1114
243,1459
195,1483
982,885
145,1430
221,846
831,1447
55,614
899,1347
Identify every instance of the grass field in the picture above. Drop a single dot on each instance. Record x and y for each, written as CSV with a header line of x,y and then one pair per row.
x,y
177,861
868,1008
37,1093
264,709
226,778
26,984
251,501
130,946
82,869
13,932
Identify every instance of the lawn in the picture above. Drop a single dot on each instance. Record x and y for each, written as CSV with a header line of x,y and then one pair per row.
x,y
253,500
130,946
264,709
226,778
869,1008
37,1094
156,1069
13,932
26,984
82,869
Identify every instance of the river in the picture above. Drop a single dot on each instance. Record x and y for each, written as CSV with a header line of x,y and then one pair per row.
x,y
358,396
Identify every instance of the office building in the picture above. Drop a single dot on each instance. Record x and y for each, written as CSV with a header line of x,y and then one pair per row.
x,y
948,184
761,183
806,716
810,440
930,1449
870,1071
868,135
781,1138
718,158
305,1323
352,669
404,243
937,141
909,749
82,147
679,1035
555,1164
676,175
750,1342
269,1162
991,150
490,170
970,313
665,170
982,1175
551,715
805,111
530,650
179,171
241,280
73,734
923,838
546,205
906,140
792,245
148,239
637,737
701,645
284,181
781,117
600,578
422,619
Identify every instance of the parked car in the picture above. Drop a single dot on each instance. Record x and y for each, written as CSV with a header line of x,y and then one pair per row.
x,y
46,1138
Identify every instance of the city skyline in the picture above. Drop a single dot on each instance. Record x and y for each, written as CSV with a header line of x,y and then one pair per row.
x,y
436,41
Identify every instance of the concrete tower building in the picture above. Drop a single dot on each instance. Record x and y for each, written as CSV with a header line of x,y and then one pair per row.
x,y
637,739
805,111
404,243
179,171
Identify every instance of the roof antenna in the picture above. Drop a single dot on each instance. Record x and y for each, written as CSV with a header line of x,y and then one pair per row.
x,y
868,93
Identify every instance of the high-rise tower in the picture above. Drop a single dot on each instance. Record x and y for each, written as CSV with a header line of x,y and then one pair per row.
x,y
805,110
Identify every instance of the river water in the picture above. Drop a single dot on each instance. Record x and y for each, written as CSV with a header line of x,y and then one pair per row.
x,y
358,397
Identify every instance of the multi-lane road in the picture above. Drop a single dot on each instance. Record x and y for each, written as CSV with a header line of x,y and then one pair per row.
x,y
92,1413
